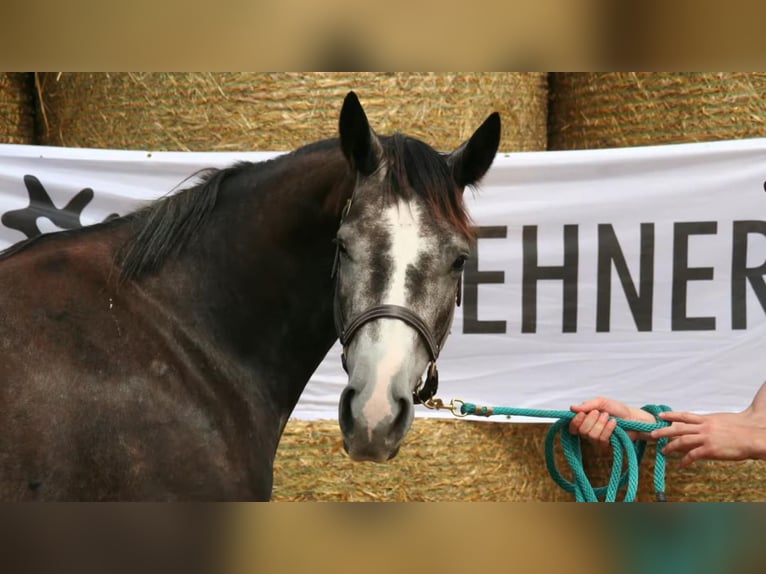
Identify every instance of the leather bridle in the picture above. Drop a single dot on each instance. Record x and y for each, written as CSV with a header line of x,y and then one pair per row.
x,y
425,390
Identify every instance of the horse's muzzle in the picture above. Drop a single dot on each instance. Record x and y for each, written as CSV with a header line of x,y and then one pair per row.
x,y
366,440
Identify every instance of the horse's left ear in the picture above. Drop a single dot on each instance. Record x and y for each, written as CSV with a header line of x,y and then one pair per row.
x,y
473,159
359,143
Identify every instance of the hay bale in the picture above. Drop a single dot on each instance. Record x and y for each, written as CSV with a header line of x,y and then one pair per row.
x,y
441,460
281,111
466,460
618,109
17,108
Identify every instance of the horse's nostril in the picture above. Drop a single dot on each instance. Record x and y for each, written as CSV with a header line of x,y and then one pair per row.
x,y
345,418
402,420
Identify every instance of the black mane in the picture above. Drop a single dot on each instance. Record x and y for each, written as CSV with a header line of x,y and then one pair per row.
x,y
167,224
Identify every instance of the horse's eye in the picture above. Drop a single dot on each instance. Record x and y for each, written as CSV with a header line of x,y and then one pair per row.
x,y
459,263
341,246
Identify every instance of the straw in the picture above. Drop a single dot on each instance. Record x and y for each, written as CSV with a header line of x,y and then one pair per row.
x,y
282,111
17,108
619,109
467,460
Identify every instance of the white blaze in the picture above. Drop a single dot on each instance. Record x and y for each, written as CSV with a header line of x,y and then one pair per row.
x,y
396,337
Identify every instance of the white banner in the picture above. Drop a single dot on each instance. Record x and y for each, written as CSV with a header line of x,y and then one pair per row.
x,y
635,273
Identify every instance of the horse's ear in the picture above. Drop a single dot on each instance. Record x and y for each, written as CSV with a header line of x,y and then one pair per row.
x,y
471,160
359,143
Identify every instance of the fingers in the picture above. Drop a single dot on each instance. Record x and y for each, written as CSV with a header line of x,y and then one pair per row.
x,y
681,417
674,430
691,456
576,423
596,425
682,424
584,423
683,444
608,430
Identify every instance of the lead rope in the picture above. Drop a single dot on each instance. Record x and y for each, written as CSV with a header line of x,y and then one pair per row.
x,y
622,449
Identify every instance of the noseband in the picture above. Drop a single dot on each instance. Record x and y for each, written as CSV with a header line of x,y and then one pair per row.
x,y
425,390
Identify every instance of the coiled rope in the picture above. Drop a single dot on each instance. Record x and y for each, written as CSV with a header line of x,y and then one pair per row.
x,y
622,448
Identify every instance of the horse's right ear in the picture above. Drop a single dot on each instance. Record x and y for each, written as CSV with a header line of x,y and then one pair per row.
x,y
359,143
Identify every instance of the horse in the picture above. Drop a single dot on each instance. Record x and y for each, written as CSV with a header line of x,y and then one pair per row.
x,y
158,355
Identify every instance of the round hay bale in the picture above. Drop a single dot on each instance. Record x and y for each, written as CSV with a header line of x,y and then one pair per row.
x,y
619,109
282,111
17,108
466,460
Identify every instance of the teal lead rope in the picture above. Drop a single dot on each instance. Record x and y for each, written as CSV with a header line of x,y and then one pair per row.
x,y
622,447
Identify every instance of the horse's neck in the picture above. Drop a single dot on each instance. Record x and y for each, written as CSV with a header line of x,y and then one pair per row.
x,y
261,274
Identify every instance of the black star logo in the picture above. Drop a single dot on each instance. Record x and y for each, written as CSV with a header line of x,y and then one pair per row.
x,y
41,205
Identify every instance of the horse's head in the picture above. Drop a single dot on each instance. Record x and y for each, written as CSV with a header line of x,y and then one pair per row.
x,y
402,243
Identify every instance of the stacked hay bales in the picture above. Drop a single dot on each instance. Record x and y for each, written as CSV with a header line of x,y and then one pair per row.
x,y
281,111
619,109
17,108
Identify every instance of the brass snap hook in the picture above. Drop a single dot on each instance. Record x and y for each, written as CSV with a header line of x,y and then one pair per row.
x,y
454,406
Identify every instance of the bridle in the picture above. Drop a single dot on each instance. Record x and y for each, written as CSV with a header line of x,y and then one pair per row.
x,y
425,390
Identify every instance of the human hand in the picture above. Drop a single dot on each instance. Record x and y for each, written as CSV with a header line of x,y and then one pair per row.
x,y
594,419
717,436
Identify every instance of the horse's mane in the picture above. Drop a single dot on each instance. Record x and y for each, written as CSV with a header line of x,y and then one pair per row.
x,y
415,167
167,224
162,227
18,246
